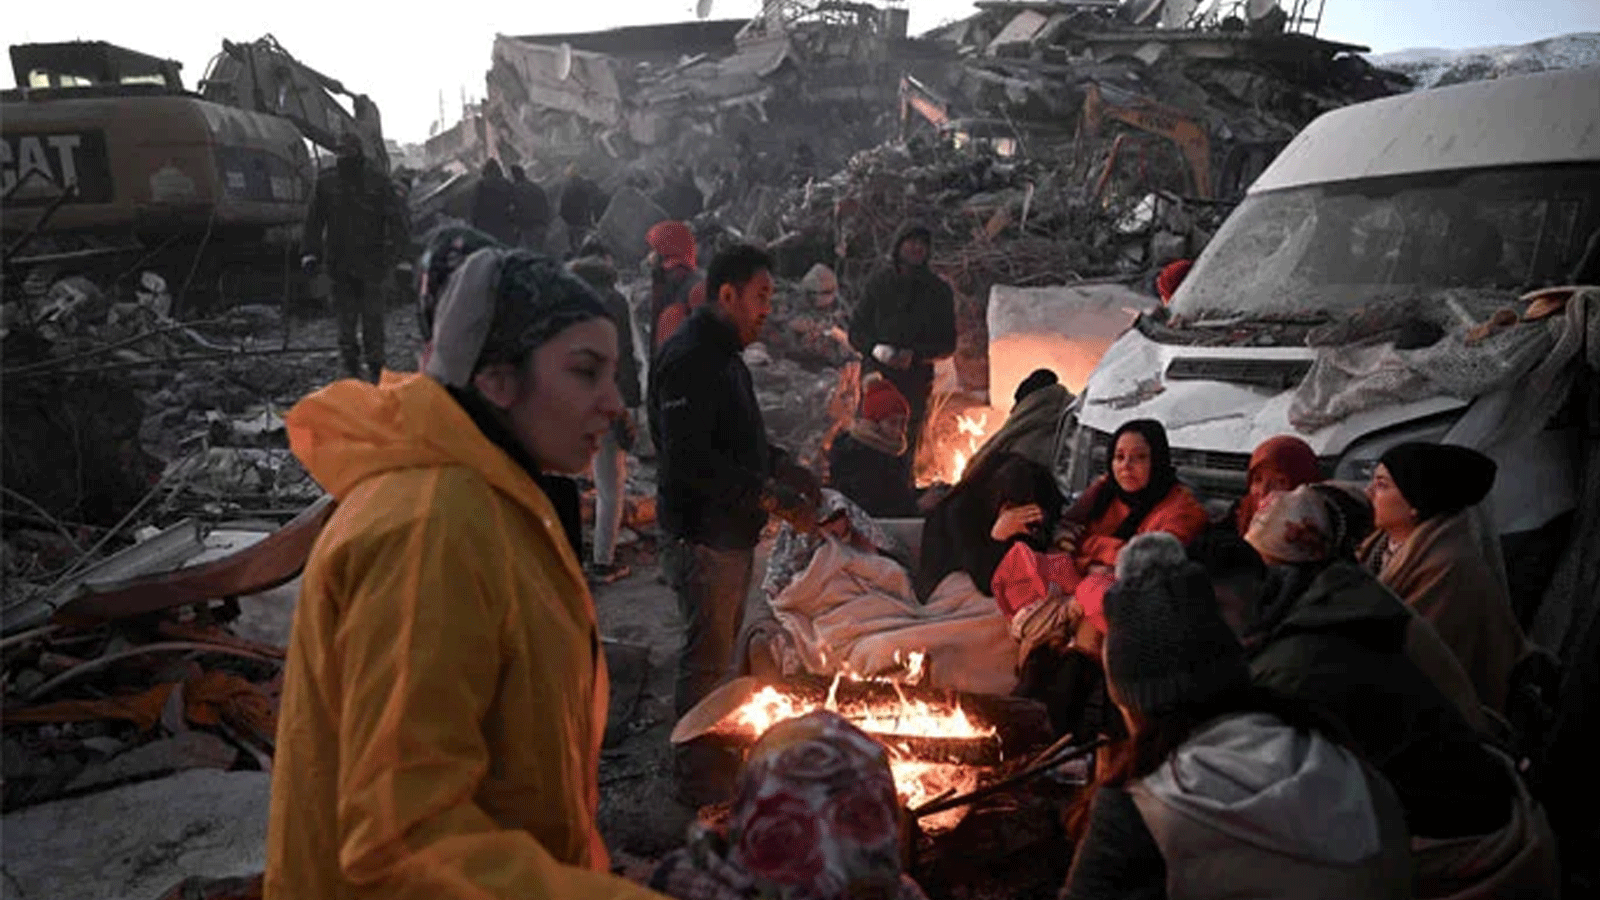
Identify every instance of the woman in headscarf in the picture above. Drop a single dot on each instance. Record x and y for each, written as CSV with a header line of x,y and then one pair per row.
x,y
1282,463
1328,633
1432,550
815,817
1222,789
444,694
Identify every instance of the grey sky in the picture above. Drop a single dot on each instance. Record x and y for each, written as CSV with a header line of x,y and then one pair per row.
x,y
405,58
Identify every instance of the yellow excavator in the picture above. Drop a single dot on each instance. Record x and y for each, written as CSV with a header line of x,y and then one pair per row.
x,y
1187,134
108,162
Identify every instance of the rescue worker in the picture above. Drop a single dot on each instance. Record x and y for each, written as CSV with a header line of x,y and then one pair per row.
x,y
595,266
531,209
355,228
493,211
719,479
444,694
677,287
906,320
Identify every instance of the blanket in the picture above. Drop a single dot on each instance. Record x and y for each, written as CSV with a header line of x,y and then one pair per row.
x,y
855,612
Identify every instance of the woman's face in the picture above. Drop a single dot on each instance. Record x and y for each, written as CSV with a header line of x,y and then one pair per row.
x,y
1389,507
1130,463
1266,479
564,400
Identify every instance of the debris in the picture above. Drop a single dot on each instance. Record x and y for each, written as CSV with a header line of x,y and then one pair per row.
x,y
189,750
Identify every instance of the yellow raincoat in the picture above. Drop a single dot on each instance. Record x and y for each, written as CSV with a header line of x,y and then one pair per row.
x,y
445,693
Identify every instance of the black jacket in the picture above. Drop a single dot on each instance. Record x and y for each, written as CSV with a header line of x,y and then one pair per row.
x,y
1334,637
711,441
910,308
530,206
493,209
870,477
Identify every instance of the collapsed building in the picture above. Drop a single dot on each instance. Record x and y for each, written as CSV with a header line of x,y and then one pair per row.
x,y
696,90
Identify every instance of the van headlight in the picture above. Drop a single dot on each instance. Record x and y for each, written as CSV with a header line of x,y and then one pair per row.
x,y
1362,457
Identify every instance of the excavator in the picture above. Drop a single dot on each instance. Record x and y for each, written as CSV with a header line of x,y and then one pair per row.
x,y
109,165
1190,137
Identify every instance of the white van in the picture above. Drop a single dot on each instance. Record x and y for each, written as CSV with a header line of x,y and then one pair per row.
x,y
1360,257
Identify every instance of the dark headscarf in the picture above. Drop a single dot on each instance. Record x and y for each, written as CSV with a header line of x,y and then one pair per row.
x,y
955,536
1163,478
1439,479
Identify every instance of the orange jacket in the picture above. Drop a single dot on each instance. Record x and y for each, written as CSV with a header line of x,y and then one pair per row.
x,y
1178,514
445,693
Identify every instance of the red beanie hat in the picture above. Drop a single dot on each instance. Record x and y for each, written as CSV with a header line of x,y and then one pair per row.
x,y
673,242
1171,276
881,401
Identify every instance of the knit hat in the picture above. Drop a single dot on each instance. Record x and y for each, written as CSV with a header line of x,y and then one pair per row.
x,y
1171,277
1439,479
674,243
1038,379
1167,645
498,307
881,400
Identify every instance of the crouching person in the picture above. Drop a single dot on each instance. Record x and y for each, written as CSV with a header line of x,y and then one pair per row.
x,y
815,817
1221,791
445,694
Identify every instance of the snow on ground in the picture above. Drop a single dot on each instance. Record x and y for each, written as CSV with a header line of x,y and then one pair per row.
x,y
1439,68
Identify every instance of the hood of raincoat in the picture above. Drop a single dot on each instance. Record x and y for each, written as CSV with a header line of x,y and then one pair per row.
x,y
351,431
1260,782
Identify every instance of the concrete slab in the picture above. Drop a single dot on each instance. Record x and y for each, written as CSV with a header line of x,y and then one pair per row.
x,y
134,842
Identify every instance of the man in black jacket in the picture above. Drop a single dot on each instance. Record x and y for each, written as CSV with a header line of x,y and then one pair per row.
x,y
719,477
906,320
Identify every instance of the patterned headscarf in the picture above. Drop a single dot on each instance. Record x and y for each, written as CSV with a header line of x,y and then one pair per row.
x,y
815,817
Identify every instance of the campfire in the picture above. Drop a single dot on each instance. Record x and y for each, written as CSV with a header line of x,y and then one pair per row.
x,y
937,748
950,442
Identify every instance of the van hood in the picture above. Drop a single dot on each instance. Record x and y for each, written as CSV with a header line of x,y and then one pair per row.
x,y
1223,399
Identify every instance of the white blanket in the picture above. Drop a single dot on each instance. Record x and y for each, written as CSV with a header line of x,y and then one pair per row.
x,y
853,611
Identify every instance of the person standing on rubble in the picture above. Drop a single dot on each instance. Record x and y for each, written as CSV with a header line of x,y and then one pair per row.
x,y
719,480
582,205
532,211
356,228
595,266
445,693
905,321
676,286
493,207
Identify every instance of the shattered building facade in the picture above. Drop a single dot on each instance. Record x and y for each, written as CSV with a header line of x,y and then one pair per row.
x,y
691,90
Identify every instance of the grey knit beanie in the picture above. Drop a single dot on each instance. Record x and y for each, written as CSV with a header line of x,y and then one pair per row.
x,y
1167,645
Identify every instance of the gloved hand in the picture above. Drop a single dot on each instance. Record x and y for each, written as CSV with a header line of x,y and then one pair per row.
x,y
308,264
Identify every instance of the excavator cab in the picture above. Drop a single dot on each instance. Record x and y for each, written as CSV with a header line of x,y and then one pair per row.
x,y
95,66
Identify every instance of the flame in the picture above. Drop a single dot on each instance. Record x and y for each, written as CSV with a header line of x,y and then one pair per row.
x,y
975,430
917,781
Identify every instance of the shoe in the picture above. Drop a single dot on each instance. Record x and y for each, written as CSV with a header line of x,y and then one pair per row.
x,y
606,574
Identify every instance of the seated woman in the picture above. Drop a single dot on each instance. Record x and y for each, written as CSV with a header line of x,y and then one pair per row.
x,y
867,462
815,817
1047,594
1430,549
1282,463
1003,500
1030,428
1222,790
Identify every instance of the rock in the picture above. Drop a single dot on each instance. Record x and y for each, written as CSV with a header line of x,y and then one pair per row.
x,y
189,750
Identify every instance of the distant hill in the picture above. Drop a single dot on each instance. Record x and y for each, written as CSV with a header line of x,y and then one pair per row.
x,y
1438,68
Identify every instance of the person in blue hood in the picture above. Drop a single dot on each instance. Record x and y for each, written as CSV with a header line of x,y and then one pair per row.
x,y
1221,790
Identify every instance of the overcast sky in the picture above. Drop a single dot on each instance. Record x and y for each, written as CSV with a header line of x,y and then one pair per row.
x,y
405,58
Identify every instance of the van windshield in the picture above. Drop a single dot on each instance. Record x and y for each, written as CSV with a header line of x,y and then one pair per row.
x,y
1328,252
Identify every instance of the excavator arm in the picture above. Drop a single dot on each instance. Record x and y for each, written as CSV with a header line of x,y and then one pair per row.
x,y
264,77
1154,118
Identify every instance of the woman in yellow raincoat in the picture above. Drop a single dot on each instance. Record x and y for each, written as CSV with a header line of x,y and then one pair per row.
x,y
445,692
